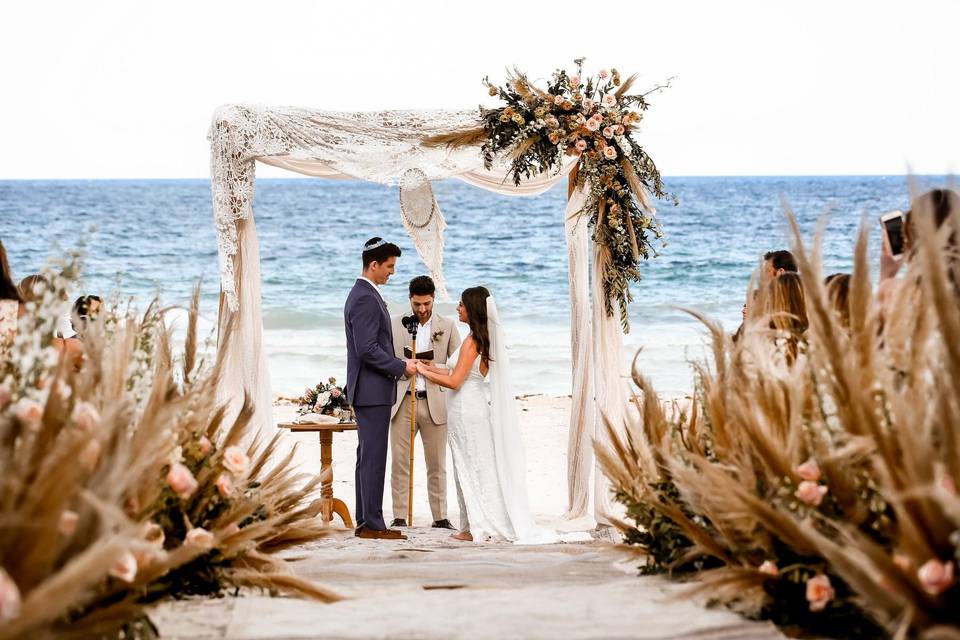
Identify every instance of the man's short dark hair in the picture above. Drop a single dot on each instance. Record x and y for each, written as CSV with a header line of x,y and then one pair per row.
x,y
782,259
422,286
378,250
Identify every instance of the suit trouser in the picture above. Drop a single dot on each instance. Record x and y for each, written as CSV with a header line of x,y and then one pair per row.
x,y
433,437
373,425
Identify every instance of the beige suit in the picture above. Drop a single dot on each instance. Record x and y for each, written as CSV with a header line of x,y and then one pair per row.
x,y
431,422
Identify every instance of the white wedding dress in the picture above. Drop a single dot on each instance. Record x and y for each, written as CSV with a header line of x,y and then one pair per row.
x,y
489,464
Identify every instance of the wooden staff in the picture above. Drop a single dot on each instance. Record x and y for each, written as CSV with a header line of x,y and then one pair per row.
x,y
413,433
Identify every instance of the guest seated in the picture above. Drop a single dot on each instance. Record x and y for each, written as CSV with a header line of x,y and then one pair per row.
x,y
85,309
838,291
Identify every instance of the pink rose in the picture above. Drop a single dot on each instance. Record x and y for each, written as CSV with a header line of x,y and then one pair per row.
x,y
811,493
935,576
205,445
581,145
85,416
200,537
336,393
558,100
181,480
592,124
819,592
574,81
224,485
809,470
609,100
770,568
68,522
90,455
604,74
4,396
551,122
124,567
620,130
608,132
28,411
235,460
610,153
9,598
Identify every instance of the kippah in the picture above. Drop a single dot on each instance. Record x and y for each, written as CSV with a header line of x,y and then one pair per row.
x,y
375,245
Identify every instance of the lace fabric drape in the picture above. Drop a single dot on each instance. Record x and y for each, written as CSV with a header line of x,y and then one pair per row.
x,y
377,147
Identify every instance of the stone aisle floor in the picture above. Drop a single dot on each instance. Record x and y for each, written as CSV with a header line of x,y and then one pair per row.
x,y
432,587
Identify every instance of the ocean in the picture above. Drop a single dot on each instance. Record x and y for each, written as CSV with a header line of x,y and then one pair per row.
x,y
156,237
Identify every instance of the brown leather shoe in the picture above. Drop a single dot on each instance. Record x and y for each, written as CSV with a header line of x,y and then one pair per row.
x,y
374,534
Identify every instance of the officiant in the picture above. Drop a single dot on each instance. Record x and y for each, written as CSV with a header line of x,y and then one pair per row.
x,y
437,334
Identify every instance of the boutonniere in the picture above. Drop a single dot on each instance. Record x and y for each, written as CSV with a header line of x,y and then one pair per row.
x,y
436,335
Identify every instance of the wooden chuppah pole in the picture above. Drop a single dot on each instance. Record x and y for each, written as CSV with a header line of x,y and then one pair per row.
x,y
413,430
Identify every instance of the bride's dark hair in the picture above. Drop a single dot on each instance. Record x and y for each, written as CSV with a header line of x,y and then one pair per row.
x,y
474,302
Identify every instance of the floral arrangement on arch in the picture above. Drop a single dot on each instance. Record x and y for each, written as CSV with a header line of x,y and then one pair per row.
x,y
592,119
326,399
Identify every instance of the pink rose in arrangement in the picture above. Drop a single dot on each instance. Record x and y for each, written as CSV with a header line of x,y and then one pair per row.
x,y
581,145
205,445
558,100
200,537
609,100
28,411
620,130
9,598
181,481
85,416
224,485
4,397
90,454
604,74
551,122
610,153
819,592
770,568
68,522
809,470
935,576
811,493
336,393
124,567
592,124
235,460
574,81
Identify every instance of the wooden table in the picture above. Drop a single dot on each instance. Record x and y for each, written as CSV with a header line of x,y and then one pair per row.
x,y
326,430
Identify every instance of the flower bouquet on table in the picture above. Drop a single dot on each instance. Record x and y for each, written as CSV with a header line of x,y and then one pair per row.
x,y
325,402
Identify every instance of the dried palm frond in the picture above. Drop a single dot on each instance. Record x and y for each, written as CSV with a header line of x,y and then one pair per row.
x,y
472,137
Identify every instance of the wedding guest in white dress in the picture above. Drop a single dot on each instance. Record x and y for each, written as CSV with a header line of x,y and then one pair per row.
x,y
489,464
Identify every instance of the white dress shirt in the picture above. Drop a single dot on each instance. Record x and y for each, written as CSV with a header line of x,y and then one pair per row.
x,y
424,343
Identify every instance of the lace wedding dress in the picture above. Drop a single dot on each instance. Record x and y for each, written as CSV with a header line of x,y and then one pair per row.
x,y
489,464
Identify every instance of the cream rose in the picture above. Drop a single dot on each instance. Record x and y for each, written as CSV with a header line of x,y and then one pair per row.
x,y
200,537
604,74
609,100
811,493
608,132
9,597
558,100
574,81
85,416
124,567
224,485
610,153
935,576
235,460
809,470
620,130
592,124
181,480
68,522
819,592
581,145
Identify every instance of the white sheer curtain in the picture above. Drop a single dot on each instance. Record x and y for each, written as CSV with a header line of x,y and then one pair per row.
x,y
381,147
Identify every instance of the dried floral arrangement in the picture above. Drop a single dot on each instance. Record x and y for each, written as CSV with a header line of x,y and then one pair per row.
x,y
124,482
326,398
594,120
821,495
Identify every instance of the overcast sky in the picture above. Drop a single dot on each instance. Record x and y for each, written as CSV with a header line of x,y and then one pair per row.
x,y
126,89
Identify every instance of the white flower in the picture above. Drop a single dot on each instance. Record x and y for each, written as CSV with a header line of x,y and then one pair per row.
x,y
609,100
604,74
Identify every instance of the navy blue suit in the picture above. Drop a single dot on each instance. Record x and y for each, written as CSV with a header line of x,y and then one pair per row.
x,y
372,374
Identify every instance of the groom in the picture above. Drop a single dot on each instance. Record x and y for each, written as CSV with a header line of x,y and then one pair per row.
x,y
372,374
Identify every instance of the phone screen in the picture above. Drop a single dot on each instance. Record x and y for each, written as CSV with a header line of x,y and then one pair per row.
x,y
894,229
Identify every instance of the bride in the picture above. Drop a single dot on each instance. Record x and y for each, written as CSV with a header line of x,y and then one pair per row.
x,y
484,431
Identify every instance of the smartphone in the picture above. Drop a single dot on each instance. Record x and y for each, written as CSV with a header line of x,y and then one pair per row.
x,y
893,226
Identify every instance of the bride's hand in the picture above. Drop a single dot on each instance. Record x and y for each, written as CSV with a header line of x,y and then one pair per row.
x,y
422,368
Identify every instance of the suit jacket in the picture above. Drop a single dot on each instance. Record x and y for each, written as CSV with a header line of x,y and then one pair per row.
x,y
372,368
443,347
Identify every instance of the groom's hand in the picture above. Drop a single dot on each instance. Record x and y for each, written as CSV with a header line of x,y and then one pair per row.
x,y
411,367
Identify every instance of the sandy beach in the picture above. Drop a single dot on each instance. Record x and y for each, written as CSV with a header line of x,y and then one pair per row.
x,y
432,587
